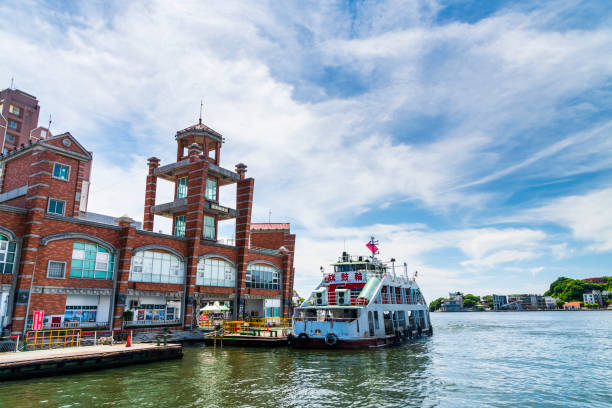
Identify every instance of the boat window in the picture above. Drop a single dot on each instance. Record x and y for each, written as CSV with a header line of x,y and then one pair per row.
x,y
371,323
350,313
376,319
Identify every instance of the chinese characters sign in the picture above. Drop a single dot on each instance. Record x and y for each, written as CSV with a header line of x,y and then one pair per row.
x,y
37,321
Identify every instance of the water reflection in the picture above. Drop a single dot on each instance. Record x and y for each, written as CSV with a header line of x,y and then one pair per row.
x,y
487,359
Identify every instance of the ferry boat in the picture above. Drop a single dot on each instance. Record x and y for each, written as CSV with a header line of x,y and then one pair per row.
x,y
361,303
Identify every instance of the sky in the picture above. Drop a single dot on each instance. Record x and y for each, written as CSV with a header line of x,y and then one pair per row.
x,y
471,138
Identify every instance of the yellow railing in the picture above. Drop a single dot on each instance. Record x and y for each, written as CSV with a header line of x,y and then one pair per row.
x,y
48,339
249,326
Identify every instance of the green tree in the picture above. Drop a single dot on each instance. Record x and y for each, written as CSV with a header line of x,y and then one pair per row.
x,y
470,301
436,304
560,303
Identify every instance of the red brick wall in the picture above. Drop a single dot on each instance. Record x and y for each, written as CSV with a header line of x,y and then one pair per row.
x,y
52,304
267,239
12,221
16,172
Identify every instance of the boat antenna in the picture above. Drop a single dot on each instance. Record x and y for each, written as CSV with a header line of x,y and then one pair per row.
x,y
393,267
405,269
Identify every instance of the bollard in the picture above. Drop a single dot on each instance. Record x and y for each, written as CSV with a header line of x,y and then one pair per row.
x,y
165,340
158,341
25,345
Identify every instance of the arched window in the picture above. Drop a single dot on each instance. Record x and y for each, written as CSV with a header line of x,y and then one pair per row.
x,y
157,267
91,261
261,276
7,255
216,272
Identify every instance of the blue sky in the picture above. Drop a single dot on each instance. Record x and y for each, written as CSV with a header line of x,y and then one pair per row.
x,y
471,137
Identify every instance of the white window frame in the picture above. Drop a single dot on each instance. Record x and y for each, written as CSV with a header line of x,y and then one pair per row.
x,y
49,267
61,164
206,189
49,205
209,227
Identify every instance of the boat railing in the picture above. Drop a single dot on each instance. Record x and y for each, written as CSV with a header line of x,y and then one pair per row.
x,y
325,318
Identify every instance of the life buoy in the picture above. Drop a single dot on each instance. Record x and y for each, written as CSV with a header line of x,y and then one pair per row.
x,y
331,339
302,338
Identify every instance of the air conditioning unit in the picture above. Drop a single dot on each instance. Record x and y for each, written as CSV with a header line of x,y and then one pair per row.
x,y
134,304
320,297
343,297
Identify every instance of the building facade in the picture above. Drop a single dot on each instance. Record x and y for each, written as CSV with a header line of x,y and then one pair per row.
x,y
89,270
19,113
499,301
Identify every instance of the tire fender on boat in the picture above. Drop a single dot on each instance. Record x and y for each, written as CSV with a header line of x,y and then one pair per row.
x,y
331,339
302,338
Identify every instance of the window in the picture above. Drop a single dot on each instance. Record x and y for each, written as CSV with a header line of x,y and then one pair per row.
x,y
61,171
260,276
209,227
7,255
14,109
74,314
376,325
181,188
10,138
56,269
157,267
91,261
13,124
179,226
56,206
211,190
43,133
215,272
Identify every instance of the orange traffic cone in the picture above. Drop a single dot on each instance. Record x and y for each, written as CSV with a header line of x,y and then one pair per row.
x,y
129,342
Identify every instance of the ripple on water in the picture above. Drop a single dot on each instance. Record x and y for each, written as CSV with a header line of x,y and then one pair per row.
x,y
474,359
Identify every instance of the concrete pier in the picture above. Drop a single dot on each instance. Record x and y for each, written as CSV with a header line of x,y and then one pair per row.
x,y
41,363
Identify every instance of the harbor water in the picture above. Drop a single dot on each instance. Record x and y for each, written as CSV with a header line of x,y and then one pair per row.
x,y
513,359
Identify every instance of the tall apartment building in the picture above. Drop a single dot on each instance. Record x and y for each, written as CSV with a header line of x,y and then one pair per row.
x,y
86,270
19,113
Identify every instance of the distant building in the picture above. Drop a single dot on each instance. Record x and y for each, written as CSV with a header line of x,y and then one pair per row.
x,y
594,297
19,119
454,303
551,302
571,306
528,301
499,301
595,280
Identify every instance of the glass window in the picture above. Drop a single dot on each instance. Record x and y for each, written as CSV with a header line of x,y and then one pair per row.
x,y
14,109
13,124
179,226
211,190
61,171
56,206
215,272
56,269
260,276
157,267
91,261
7,255
181,187
209,227
76,314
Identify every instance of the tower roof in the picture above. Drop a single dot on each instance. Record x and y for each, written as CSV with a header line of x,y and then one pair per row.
x,y
199,129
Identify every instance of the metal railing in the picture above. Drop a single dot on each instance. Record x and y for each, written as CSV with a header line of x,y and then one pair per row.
x,y
152,322
104,337
265,327
69,325
9,344
50,339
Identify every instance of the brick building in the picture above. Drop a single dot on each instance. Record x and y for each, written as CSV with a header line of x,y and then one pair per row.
x,y
86,270
19,119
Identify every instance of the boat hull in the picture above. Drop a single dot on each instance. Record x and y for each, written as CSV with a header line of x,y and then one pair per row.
x,y
352,344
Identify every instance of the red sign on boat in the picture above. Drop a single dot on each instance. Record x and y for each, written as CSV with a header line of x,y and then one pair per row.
x,y
37,321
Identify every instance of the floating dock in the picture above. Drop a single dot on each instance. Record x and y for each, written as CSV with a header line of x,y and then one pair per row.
x,y
246,341
41,363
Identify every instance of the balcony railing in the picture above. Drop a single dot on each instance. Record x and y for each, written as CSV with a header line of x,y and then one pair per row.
x,y
69,325
153,322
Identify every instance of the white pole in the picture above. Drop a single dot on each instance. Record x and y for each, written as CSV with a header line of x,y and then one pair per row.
x,y
17,345
95,338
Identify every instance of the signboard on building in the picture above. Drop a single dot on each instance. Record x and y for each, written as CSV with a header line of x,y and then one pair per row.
x,y
346,277
37,321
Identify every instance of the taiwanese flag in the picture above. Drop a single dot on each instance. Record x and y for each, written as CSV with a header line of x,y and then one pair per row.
x,y
372,247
